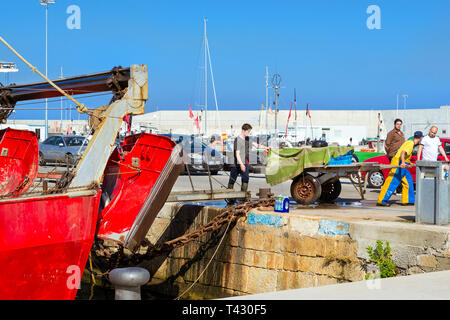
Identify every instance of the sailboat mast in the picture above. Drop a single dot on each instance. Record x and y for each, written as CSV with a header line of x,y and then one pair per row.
x,y
206,80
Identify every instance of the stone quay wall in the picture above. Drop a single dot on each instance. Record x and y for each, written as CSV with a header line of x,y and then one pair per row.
x,y
269,251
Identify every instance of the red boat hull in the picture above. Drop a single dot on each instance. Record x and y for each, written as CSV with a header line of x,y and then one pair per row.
x,y
128,181
45,243
19,157
45,240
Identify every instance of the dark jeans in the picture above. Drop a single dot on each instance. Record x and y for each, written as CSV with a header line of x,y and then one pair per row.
x,y
236,170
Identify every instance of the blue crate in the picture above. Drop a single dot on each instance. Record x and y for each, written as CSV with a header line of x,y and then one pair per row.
x,y
342,160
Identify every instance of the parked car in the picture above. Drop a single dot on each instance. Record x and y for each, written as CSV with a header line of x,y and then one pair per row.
x,y
377,178
64,149
197,155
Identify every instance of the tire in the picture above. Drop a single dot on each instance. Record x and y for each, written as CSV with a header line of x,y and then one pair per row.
x,y
330,191
215,172
375,179
41,159
305,189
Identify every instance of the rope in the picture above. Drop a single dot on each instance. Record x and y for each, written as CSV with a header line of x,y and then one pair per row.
x,y
207,265
92,277
80,107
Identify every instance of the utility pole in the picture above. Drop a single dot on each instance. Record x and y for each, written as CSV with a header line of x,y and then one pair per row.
x,y
60,125
206,80
46,3
378,134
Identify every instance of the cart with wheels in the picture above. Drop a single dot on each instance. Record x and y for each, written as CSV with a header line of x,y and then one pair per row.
x,y
322,183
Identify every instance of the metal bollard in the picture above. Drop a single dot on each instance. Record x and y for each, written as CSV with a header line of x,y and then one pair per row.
x,y
264,193
128,281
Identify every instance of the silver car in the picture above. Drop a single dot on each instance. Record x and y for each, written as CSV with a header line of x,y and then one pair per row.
x,y
62,149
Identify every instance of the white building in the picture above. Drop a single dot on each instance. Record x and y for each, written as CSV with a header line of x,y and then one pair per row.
x,y
334,125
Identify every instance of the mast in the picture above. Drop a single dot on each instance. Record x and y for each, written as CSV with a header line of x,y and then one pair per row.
x,y
61,101
206,78
214,87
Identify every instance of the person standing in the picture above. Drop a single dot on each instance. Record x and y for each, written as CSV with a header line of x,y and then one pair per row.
x,y
241,152
394,139
431,146
400,175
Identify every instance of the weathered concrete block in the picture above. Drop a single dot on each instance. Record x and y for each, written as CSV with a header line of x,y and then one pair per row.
x,y
294,280
234,237
157,229
235,276
308,246
325,281
305,226
272,243
290,262
353,272
260,259
400,233
332,268
275,261
261,280
288,244
316,265
256,218
443,263
332,227
341,248
414,270
241,256
282,280
253,240
426,260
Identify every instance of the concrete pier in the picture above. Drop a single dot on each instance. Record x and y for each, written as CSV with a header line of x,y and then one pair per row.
x,y
427,286
274,252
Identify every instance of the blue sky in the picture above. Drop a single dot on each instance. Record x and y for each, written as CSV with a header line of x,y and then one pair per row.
x,y
322,48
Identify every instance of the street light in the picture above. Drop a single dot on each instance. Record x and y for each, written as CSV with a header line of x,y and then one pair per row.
x,y
46,3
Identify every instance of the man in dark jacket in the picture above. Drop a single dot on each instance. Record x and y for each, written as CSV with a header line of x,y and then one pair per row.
x,y
394,139
241,157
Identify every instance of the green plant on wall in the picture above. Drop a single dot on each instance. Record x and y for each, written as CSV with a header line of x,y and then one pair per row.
x,y
383,258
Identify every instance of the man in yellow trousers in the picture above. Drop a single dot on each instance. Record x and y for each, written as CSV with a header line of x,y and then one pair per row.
x,y
400,175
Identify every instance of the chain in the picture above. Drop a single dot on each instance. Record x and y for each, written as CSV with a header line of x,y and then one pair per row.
x,y
226,218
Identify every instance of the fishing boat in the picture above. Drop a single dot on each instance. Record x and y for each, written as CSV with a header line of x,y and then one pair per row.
x,y
46,235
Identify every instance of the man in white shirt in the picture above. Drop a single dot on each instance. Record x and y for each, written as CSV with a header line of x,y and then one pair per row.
x,y
431,146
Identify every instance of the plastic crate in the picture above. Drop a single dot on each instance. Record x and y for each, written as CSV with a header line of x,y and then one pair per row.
x,y
342,160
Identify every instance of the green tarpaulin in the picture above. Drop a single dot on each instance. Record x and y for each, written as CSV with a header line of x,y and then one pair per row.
x,y
285,164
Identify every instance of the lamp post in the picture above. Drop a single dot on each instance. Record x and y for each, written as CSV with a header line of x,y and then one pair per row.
x,y
46,3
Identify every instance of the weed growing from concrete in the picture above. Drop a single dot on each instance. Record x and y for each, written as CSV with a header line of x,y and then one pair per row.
x,y
383,259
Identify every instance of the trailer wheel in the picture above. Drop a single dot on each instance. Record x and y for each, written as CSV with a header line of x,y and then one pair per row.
x,y
331,191
305,189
